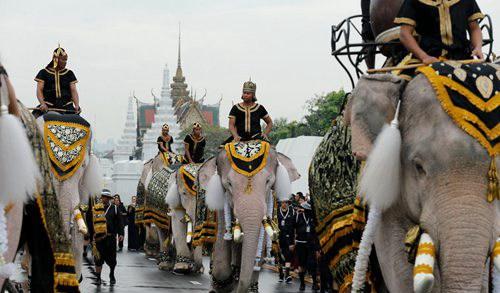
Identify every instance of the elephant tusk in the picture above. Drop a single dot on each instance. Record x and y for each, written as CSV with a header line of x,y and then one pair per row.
x,y
423,272
189,234
80,222
496,254
237,233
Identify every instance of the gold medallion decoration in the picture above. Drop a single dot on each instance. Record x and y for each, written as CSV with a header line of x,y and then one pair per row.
x,y
473,103
189,173
66,138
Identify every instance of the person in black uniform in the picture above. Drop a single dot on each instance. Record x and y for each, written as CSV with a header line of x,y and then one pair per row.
x,y
165,140
123,213
194,145
106,245
133,233
245,117
56,86
306,244
286,222
442,26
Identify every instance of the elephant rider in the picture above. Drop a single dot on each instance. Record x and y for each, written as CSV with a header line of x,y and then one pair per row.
x,y
286,222
56,86
306,244
165,140
244,117
442,26
194,145
106,245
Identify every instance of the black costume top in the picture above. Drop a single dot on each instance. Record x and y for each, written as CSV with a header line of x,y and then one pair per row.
x,y
166,144
305,228
286,222
196,147
56,86
442,25
114,220
247,120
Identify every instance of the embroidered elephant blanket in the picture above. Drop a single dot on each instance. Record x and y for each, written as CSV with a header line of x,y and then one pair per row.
x,y
189,175
248,158
155,208
65,138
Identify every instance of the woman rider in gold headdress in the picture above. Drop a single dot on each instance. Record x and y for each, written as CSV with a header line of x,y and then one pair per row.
x,y
56,86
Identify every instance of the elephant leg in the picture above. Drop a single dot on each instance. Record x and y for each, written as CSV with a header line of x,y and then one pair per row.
x,y
197,252
184,256
77,245
14,219
222,273
151,247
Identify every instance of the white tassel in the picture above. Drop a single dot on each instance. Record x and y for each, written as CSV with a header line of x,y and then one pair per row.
x,y
6,269
18,169
380,178
172,198
215,193
227,219
423,271
282,185
365,248
80,222
92,179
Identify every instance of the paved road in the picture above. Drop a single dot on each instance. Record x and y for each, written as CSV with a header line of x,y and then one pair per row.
x,y
135,273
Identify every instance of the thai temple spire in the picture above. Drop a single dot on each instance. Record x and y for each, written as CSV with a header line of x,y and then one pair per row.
x,y
179,86
127,143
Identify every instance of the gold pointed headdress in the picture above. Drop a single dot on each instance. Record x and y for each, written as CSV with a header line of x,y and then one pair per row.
x,y
196,125
58,53
249,87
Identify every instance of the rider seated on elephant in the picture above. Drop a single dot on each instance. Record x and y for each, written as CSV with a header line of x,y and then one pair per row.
x,y
165,140
244,118
56,86
442,26
194,145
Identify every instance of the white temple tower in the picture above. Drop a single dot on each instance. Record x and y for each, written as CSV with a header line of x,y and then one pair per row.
x,y
127,143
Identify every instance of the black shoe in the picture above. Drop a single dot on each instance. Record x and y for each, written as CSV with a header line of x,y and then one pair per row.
x,y
281,279
302,287
112,279
288,279
120,249
315,287
98,281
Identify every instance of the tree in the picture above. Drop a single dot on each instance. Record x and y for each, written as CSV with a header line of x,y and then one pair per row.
x,y
322,110
214,135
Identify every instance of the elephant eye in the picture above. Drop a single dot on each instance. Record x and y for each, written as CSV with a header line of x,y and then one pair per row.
x,y
419,167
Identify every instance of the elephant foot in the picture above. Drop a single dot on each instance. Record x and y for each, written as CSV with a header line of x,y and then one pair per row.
x,y
182,268
223,286
165,266
198,269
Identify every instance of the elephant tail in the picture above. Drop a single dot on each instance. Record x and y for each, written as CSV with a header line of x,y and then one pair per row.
x,y
92,179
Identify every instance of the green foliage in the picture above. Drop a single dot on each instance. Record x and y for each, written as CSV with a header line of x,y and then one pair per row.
x,y
321,110
214,135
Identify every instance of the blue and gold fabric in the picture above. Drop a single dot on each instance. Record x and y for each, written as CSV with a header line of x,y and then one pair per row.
x,y
189,174
155,208
248,158
66,138
470,95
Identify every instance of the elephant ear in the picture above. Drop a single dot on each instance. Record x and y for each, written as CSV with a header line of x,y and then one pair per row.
x,y
289,166
207,170
372,104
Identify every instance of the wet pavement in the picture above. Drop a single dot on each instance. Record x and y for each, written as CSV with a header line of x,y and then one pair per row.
x,y
136,273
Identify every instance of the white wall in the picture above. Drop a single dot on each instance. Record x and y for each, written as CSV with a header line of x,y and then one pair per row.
x,y
126,175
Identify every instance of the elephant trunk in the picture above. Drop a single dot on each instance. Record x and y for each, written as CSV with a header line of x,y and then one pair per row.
x,y
465,223
250,212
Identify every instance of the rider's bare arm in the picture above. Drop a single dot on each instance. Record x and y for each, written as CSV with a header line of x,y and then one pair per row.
x,y
188,155
409,41
269,125
74,97
13,109
232,129
476,39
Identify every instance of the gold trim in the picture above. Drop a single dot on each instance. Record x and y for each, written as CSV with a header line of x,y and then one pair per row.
x,y
476,16
183,171
39,80
248,116
405,20
426,248
231,151
422,269
496,250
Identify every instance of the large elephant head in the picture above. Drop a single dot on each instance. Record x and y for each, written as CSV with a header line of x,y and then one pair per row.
x,y
247,195
442,188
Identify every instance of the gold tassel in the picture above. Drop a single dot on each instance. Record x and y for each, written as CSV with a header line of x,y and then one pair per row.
x,y
493,192
248,188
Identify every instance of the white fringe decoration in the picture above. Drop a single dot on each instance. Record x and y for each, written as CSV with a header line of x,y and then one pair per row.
x,y
6,269
227,219
92,178
365,248
380,178
282,185
215,193
423,282
172,198
18,169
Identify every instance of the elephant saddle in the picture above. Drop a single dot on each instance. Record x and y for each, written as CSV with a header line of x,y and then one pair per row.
x,y
155,208
248,158
470,95
189,173
65,138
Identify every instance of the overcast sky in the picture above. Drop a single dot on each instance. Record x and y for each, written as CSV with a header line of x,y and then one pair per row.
x,y
116,47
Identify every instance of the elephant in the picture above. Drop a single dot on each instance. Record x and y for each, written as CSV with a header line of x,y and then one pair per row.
x,y
243,175
442,187
182,200
75,172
